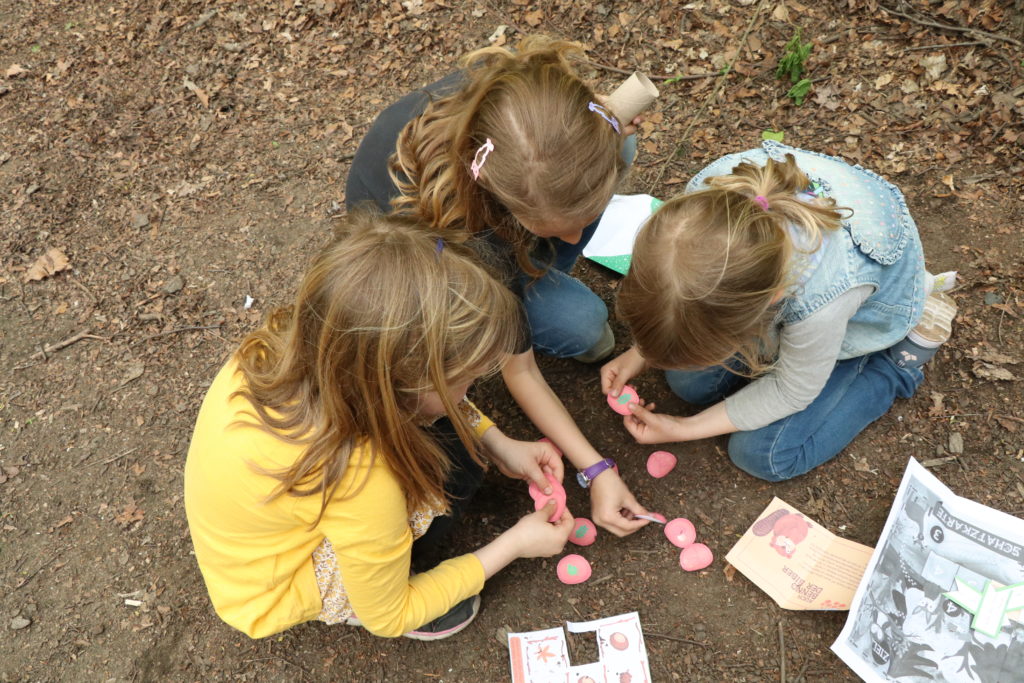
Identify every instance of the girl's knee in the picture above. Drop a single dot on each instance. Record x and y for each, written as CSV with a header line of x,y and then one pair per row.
x,y
762,460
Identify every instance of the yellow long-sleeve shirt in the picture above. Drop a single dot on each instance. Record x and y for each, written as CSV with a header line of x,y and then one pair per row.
x,y
256,556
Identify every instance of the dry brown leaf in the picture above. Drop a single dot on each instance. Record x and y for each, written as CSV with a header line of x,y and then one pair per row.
x,y
882,81
988,371
934,66
937,407
198,92
534,18
131,513
990,356
14,70
53,261
780,13
729,571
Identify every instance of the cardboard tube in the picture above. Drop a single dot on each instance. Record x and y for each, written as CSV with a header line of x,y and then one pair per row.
x,y
632,97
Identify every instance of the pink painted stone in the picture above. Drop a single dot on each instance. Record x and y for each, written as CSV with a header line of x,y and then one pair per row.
x,y
620,404
680,532
660,463
583,532
695,557
557,449
540,499
573,569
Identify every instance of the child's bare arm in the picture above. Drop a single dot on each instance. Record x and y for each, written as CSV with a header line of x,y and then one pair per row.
x,y
608,498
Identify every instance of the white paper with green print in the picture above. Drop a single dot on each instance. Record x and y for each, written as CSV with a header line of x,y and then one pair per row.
x,y
612,243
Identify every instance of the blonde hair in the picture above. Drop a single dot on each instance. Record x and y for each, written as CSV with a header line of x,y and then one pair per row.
x,y
553,158
708,266
384,313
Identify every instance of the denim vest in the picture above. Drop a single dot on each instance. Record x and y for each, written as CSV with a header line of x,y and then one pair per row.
x,y
877,246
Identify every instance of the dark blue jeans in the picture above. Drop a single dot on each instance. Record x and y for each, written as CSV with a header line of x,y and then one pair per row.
x,y
566,317
859,391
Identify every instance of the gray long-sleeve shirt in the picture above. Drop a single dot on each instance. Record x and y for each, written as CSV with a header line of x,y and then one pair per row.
x,y
807,354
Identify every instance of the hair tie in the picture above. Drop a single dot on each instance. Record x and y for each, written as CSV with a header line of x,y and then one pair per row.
x,y
480,158
604,114
761,201
439,248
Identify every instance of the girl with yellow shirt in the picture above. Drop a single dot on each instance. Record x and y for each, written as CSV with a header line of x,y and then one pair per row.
x,y
337,444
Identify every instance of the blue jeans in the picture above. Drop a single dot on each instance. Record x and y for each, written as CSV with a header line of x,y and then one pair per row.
x,y
566,318
859,391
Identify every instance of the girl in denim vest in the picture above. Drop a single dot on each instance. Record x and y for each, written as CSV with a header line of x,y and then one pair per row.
x,y
786,290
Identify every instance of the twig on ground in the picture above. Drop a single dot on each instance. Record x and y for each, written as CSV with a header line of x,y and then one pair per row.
x,y
711,97
43,354
782,654
110,460
944,46
652,634
39,569
952,27
627,72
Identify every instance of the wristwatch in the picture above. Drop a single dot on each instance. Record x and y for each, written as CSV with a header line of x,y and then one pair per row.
x,y
584,477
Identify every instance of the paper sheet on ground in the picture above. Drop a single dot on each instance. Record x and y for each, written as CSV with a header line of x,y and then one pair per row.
x,y
798,563
542,656
942,595
612,243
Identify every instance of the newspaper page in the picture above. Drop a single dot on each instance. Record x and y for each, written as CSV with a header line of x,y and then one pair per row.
x,y
942,596
801,565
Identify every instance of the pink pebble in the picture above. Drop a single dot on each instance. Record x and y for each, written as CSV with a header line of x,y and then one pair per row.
x,y
620,404
557,449
573,569
680,532
660,463
695,557
540,499
583,532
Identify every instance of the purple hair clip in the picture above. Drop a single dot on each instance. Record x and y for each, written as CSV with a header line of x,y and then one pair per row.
x,y
439,248
604,114
480,158
761,201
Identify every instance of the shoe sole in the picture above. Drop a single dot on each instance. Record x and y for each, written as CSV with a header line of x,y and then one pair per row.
x,y
438,635
936,323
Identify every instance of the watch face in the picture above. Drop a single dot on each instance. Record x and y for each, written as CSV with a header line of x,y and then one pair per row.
x,y
582,479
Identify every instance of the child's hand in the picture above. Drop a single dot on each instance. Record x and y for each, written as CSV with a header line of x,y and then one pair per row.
x,y
537,537
616,372
631,127
527,460
646,426
613,507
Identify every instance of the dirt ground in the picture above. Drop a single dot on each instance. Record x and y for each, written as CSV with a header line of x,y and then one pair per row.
x,y
186,156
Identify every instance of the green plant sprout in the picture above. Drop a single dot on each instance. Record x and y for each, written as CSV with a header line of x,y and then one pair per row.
x,y
799,91
792,62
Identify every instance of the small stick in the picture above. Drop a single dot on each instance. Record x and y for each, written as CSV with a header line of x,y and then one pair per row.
x,y
949,27
943,46
50,348
41,567
652,634
782,654
116,457
687,77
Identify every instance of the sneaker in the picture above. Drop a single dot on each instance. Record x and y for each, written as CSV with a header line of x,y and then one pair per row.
x,y
449,623
602,349
936,323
